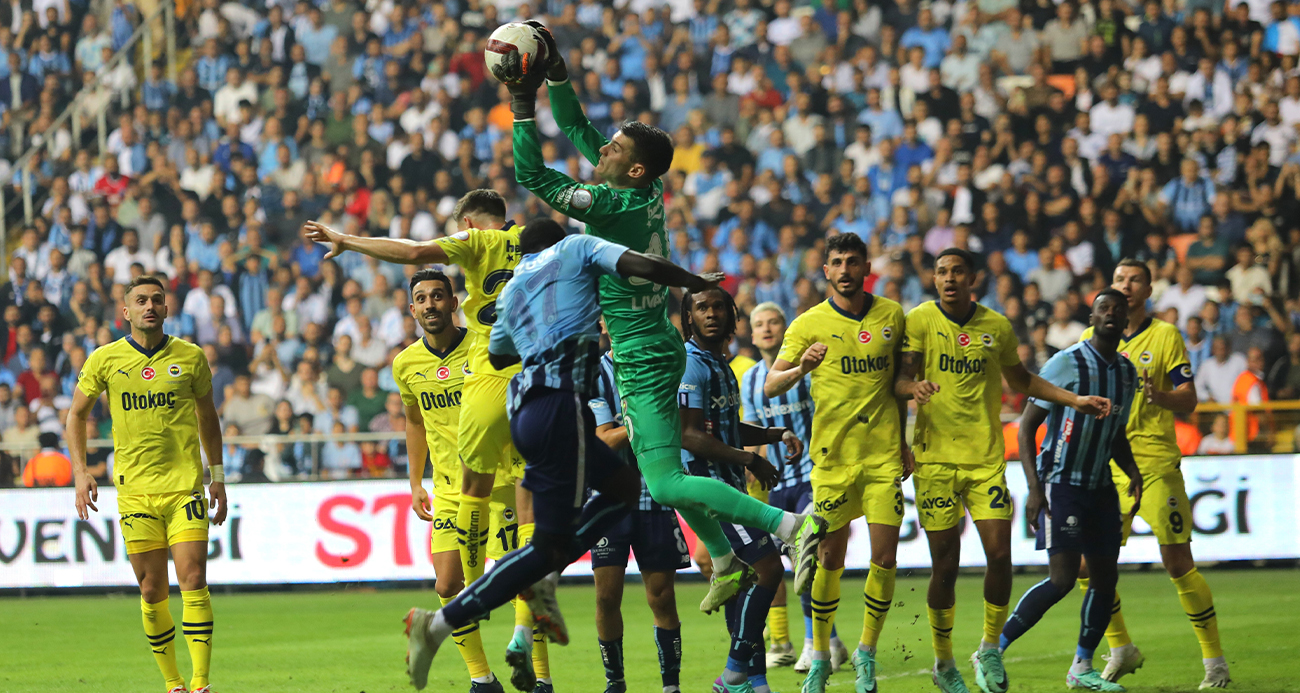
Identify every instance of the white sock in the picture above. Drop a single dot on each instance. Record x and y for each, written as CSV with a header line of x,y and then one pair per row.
x,y
438,628
734,678
1081,666
945,664
762,689
789,527
672,689
820,656
807,643
866,648
524,634
985,645
724,565
545,680
1122,649
484,679
1213,661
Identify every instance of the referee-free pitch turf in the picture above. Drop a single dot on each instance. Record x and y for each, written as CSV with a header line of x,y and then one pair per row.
x,y
350,640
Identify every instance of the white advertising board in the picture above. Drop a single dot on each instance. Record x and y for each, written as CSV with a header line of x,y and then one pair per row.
x,y
351,531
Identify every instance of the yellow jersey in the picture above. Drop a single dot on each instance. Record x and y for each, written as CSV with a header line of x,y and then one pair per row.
x,y
1156,349
964,357
151,400
432,380
739,365
489,257
855,416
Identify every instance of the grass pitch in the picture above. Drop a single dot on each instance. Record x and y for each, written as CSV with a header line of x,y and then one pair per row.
x,y
350,640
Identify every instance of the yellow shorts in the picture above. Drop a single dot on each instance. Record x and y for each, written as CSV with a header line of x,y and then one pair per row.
x,y
153,521
1164,505
844,493
756,490
484,434
944,492
505,526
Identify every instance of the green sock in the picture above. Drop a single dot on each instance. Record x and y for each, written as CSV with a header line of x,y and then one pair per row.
x,y
703,502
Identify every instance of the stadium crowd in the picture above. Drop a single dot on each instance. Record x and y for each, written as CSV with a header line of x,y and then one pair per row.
x,y
1052,139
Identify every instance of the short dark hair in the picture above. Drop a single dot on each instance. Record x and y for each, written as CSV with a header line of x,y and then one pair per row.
x,y
48,440
145,280
965,255
688,302
428,274
1134,262
540,234
481,201
1111,293
652,147
846,243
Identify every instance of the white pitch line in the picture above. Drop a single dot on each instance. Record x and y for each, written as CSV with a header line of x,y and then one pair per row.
x,y
926,672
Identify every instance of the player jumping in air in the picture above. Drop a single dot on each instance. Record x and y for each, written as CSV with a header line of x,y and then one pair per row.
x,y
653,532
550,321
1072,503
713,442
627,207
793,492
960,351
159,391
849,344
1156,348
430,374
486,247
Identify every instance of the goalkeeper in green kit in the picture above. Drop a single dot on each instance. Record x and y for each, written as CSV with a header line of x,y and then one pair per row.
x,y
627,207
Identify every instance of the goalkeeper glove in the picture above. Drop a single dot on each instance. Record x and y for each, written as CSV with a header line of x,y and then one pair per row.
x,y
556,70
522,80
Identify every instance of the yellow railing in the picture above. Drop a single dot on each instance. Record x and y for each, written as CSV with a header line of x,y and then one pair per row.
x,y
1277,423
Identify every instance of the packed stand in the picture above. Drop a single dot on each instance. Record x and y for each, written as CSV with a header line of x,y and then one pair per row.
x,y
1052,139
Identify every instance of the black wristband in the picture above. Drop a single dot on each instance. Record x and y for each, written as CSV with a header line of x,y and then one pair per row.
x,y
523,107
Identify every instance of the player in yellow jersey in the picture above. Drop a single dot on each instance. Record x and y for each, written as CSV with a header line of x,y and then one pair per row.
x,y
850,345
1156,348
430,375
954,358
159,392
486,247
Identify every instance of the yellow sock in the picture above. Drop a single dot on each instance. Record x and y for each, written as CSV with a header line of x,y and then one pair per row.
x,y
825,601
1198,602
877,595
778,624
1116,631
196,624
472,528
470,643
941,621
161,632
541,661
524,617
994,618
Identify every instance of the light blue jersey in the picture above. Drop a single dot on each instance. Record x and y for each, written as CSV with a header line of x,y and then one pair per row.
x,y
549,315
607,407
1077,449
792,410
710,386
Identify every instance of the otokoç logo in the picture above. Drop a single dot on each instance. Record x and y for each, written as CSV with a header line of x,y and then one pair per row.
x,y
148,400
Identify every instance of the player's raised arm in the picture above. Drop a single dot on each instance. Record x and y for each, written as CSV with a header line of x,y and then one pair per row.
x,y
417,449
400,251
661,271
1036,501
565,106
699,442
75,434
210,438
1027,383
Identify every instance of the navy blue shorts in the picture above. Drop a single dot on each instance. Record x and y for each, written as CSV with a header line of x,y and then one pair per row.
x,y
751,545
794,498
654,535
555,432
1083,521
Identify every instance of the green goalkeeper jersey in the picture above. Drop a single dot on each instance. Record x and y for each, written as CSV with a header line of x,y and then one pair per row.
x,y
633,217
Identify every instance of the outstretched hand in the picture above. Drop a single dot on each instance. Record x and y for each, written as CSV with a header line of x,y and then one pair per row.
x,y
320,233
556,70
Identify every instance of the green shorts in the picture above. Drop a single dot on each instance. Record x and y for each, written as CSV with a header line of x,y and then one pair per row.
x,y
648,373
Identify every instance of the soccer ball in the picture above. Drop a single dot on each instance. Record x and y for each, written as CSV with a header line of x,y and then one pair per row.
x,y
514,37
